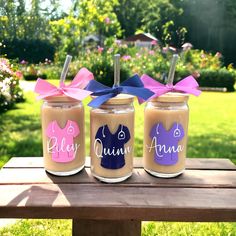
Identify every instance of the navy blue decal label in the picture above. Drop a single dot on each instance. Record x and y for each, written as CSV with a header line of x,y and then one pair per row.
x,y
111,147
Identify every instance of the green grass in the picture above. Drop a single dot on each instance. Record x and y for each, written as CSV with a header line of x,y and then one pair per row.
x,y
212,133
188,229
38,228
64,227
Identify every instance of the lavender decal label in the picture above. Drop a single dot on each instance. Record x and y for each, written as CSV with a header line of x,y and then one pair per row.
x,y
166,143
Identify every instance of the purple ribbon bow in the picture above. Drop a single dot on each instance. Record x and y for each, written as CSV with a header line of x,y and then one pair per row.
x,y
132,86
186,85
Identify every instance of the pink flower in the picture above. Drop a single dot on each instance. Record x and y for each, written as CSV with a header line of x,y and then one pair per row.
x,y
151,52
218,54
19,74
110,50
165,49
126,57
203,55
100,49
154,42
118,42
107,20
138,55
5,67
23,62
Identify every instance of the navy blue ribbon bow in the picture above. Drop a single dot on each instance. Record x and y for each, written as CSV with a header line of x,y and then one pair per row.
x,y
133,86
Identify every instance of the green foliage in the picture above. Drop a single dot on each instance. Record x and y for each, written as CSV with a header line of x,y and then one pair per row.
x,y
10,92
217,78
33,51
130,15
211,25
159,17
25,30
154,62
98,17
66,36
209,67
17,22
87,18
207,24
101,64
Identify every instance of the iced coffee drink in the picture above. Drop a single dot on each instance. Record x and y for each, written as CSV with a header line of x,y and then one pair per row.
x,y
63,135
165,135
112,139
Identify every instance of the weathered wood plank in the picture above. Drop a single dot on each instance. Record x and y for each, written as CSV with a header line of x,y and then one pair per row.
x,y
190,178
106,228
117,203
191,163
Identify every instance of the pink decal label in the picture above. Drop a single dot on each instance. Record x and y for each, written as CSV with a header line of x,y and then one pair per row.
x,y
60,141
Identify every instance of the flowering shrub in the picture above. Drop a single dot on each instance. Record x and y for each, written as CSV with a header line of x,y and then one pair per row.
x,y
10,91
154,61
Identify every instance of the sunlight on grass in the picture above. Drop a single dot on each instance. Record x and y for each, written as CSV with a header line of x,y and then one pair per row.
x,y
38,228
187,229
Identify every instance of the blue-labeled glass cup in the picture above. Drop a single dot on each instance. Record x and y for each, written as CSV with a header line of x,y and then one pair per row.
x,y
112,139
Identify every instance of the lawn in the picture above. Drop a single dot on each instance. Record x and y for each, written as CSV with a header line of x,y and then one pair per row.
x,y
212,133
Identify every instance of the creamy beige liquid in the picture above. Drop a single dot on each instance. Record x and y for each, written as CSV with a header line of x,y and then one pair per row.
x,y
106,116
166,116
70,111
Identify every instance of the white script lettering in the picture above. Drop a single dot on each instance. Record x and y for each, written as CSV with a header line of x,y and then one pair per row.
x,y
99,149
163,148
53,146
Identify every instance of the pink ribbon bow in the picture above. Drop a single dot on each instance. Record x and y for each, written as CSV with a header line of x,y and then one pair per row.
x,y
74,90
186,85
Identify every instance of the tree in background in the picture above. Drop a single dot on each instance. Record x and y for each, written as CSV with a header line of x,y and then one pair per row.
x,y
98,17
18,22
25,30
66,36
87,17
8,21
156,17
211,25
159,19
130,14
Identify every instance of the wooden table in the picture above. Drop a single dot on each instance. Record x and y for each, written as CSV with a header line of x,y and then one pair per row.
x,y
205,192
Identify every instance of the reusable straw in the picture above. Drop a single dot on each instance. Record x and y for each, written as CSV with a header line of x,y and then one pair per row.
x,y
116,70
171,74
65,68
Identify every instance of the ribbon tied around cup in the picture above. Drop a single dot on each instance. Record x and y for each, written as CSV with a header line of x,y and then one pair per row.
x,y
74,90
132,86
187,85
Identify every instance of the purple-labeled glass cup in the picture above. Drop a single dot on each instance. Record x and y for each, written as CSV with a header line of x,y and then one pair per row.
x,y
165,135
